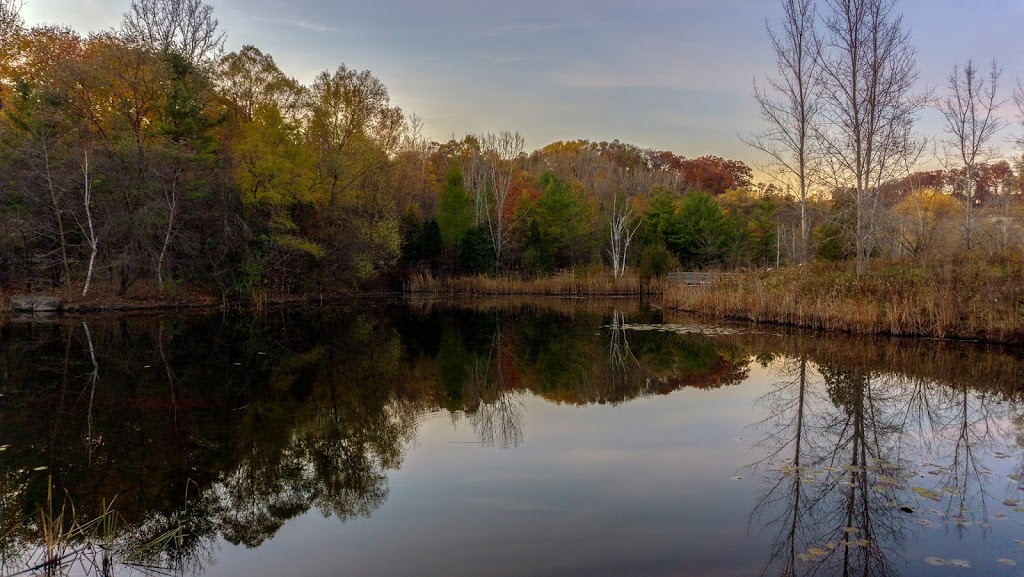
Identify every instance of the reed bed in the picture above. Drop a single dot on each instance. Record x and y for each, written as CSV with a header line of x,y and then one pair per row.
x,y
566,284
958,299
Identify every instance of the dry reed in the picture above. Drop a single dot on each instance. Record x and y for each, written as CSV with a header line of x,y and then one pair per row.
x,y
566,284
963,299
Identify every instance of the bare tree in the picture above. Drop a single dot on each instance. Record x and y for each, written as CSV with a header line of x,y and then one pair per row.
x,y
474,173
620,235
1018,98
183,26
868,73
789,103
502,152
172,193
969,110
88,231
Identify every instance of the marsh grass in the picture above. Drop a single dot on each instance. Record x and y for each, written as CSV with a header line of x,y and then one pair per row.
x,y
966,298
565,284
64,542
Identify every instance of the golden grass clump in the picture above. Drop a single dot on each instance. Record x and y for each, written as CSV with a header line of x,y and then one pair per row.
x,y
966,298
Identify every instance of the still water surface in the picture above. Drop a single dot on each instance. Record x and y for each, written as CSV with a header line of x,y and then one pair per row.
x,y
564,438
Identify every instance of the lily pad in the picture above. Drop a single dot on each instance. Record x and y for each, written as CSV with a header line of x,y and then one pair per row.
x,y
936,561
926,493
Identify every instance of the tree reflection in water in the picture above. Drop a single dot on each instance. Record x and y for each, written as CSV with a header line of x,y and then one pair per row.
x,y
226,428
858,456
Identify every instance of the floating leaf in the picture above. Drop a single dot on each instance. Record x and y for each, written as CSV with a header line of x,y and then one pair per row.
x,y
924,522
1018,478
737,478
937,561
817,551
43,468
1009,562
850,530
960,563
1011,502
888,480
926,493
891,504
1001,516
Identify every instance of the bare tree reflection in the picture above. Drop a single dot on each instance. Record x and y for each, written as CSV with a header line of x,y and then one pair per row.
x,y
841,446
498,418
619,352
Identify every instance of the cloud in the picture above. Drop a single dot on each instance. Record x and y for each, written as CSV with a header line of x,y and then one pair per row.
x,y
518,28
296,23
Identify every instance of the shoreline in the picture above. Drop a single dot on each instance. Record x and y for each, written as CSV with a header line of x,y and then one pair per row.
x,y
893,299
964,301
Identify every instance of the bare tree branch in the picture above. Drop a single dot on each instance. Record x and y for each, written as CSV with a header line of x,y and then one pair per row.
x,y
186,27
969,110
789,102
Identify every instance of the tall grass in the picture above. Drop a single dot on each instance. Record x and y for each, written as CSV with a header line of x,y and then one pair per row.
x,y
566,284
62,541
965,298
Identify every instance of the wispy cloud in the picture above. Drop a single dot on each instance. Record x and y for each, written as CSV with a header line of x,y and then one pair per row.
x,y
296,23
518,28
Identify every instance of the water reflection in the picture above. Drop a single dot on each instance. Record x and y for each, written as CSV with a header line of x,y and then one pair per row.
x,y
214,430
862,460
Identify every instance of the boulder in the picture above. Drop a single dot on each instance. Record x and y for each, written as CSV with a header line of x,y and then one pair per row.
x,y
35,304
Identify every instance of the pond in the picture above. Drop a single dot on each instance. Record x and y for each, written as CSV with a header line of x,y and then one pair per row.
x,y
502,438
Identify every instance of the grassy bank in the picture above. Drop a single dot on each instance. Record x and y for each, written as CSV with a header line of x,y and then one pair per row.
x,y
568,284
965,298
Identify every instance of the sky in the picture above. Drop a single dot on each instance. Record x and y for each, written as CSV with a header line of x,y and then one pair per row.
x,y
667,74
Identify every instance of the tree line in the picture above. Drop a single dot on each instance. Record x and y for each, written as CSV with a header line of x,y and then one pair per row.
x,y
145,159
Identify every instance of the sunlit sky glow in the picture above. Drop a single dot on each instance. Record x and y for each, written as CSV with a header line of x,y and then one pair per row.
x,y
667,74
